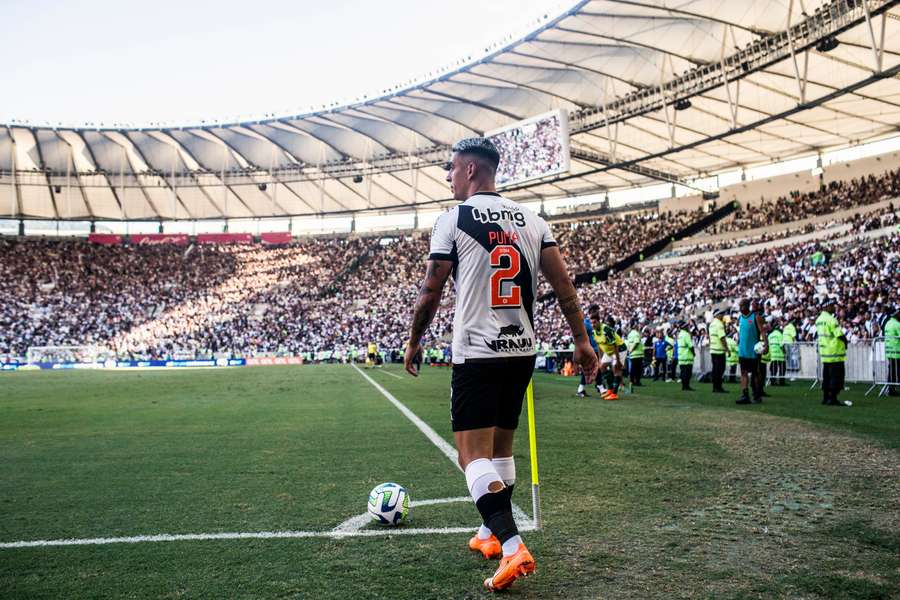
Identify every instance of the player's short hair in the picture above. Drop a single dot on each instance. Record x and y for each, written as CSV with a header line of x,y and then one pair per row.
x,y
479,146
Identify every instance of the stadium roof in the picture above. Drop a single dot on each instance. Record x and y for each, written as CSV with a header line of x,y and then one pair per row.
x,y
654,90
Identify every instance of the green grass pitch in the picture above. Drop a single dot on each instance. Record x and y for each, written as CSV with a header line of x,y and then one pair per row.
x,y
663,494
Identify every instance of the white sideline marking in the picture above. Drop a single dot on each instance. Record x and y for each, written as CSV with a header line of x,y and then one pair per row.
x,y
258,535
349,528
441,443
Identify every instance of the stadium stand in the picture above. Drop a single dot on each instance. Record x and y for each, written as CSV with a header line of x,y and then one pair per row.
x,y
862,272
339,293
596,243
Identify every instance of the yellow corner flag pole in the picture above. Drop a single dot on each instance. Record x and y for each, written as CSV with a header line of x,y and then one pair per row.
x,y
532,443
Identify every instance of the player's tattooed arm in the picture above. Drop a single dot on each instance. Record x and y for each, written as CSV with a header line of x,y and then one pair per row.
x,y
436,274
572,312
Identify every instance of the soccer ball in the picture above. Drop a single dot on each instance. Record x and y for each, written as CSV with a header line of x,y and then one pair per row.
x,y
389,504
759,348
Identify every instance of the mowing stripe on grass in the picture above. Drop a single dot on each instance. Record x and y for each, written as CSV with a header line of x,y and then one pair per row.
x,y
347,529
430,433
391,374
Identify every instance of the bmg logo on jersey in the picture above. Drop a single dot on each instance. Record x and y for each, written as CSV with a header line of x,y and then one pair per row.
x,y
508,340
488,215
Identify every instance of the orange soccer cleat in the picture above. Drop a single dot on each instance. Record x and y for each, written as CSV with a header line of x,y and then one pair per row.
x,y
610,395
489,547
512,567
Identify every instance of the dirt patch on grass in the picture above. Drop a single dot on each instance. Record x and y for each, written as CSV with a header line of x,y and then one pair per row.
x,y
795,501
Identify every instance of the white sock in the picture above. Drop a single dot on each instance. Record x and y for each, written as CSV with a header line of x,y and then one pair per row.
x,y
480,475
506,469
580,388
511,545
483,532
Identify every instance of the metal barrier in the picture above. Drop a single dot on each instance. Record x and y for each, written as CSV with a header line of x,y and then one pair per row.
x,y
802,362
885,371
858,366
866,362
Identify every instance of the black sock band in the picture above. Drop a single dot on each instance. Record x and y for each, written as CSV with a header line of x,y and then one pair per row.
x,y
496,513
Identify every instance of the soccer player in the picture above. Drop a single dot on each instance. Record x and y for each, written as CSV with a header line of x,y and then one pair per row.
x,y
660,356
372,352
494,248
611,344
593,315
750,331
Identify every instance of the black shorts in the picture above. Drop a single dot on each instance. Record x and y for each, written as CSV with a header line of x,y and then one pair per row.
x,y
489,394
748,365
372,356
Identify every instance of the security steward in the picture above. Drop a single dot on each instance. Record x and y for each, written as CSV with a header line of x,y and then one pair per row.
x,y
635,346
731,359
685,357
776,353
892,351
832,352
718,350
789,342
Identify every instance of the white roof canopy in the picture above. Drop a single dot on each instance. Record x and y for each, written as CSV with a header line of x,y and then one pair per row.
x,y
654,92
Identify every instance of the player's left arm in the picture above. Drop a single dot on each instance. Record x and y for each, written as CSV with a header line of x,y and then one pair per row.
x,y
763,333
436,274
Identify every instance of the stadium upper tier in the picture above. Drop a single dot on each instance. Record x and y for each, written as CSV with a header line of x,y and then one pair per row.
x,y
653,93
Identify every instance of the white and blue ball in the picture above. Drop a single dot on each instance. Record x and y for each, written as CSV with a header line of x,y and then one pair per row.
x,y
389,504
760,348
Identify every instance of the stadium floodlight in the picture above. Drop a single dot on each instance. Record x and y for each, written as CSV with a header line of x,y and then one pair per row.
x,y
827,45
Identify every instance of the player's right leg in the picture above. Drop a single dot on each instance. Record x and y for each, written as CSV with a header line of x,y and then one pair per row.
x,y
485,397
745,381
581,393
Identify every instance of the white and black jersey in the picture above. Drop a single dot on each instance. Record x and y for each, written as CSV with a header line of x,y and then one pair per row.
x,y
495,246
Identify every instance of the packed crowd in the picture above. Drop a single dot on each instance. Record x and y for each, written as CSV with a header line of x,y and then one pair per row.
x,y
163,301
339,294
858,223
789,281
836,196
602,241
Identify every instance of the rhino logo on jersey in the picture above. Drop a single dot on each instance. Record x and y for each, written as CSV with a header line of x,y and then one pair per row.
x,y
508,340
511,331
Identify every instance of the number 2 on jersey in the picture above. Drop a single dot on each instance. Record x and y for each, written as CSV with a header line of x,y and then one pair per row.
x,y
503,273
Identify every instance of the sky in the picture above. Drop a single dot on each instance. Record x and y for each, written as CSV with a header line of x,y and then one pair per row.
x,y
136,63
